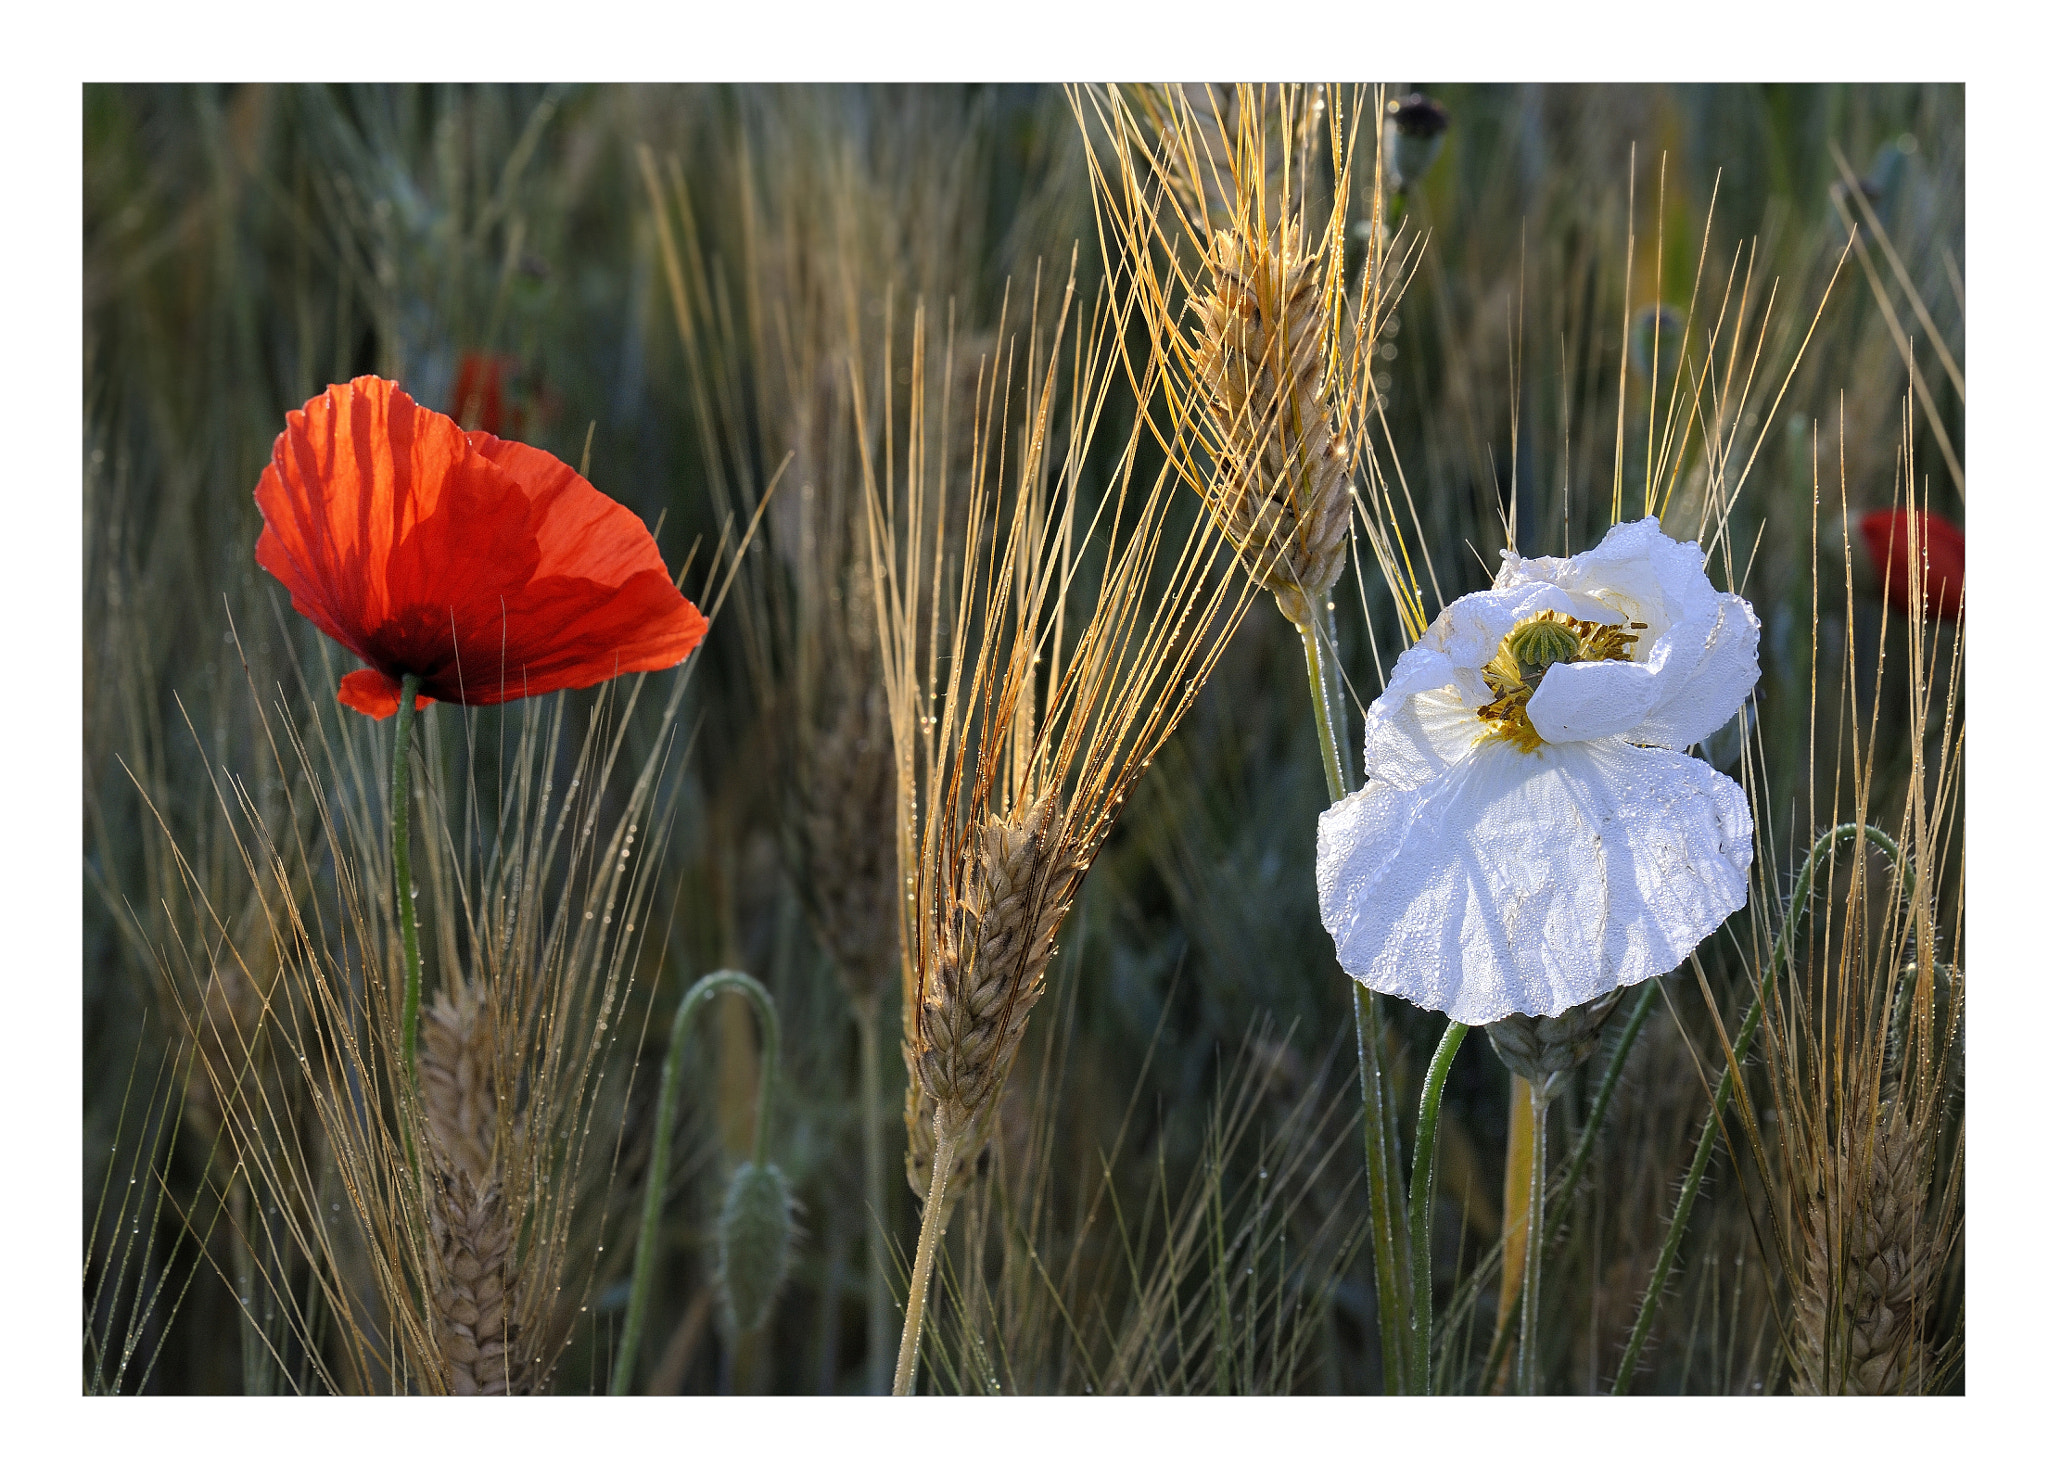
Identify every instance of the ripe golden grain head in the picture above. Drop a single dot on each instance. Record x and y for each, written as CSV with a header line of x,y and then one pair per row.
x,y
1076,637
1237,254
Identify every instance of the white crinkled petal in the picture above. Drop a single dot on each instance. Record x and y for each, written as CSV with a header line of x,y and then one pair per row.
x,y
1707,667
1532,882
1423,722
1591,700
1636,571
1646,575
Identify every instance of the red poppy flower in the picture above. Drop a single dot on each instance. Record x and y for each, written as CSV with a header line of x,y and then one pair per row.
x,y
1888,539
488,568
480,393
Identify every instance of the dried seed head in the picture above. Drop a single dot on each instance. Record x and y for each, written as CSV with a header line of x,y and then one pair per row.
x,y
846,824
474,1270
1281,492
1538,1048
1870,1267
753,1243
988,966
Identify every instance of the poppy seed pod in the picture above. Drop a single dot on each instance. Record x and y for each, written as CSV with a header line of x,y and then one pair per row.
x,y
1413,137
1538,1048
753,1242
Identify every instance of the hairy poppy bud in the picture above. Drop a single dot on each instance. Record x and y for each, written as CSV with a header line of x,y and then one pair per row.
x,y
753,1242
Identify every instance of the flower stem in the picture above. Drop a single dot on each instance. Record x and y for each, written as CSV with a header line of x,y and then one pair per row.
x,y
1422,1204
1526,1374
927,1243
401,867
879,1303
1703,1153
664,1126
1390,1251
1321,685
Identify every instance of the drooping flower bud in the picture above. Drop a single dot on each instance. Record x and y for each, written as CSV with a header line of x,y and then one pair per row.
x,y
753,1242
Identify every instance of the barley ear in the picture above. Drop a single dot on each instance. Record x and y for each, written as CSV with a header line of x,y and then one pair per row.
x,y
1870,1267
1281,493
473,1270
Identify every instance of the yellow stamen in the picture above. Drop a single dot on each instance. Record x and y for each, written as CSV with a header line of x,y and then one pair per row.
x,y
1537,644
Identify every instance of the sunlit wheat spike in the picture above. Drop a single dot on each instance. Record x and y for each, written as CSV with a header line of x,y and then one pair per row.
x,y
989,968
1077,635
1262,344
1281,491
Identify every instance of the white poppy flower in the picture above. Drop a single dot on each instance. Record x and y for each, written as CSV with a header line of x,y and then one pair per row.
x,y
1531,836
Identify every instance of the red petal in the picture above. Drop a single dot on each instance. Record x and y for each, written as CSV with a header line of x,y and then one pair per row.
x,y
368,691
350,478
488,568
1890,539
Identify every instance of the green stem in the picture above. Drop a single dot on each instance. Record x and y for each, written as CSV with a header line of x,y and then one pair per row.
x,y
1390,1251
1321,680
664,1127
877,1190
1703,1153
401,867
1559,1195
927,1243
1422,1204
1526,1376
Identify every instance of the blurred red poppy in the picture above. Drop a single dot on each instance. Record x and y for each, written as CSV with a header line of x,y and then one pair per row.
x,y
488,568
1887,536
480,393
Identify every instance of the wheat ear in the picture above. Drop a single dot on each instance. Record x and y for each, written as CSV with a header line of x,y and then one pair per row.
x,y
987,972
1869,1268
1281,493
474,1268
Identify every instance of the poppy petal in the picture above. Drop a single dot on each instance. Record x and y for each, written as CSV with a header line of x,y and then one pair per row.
x,y
368,691
1890,538
1518,882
